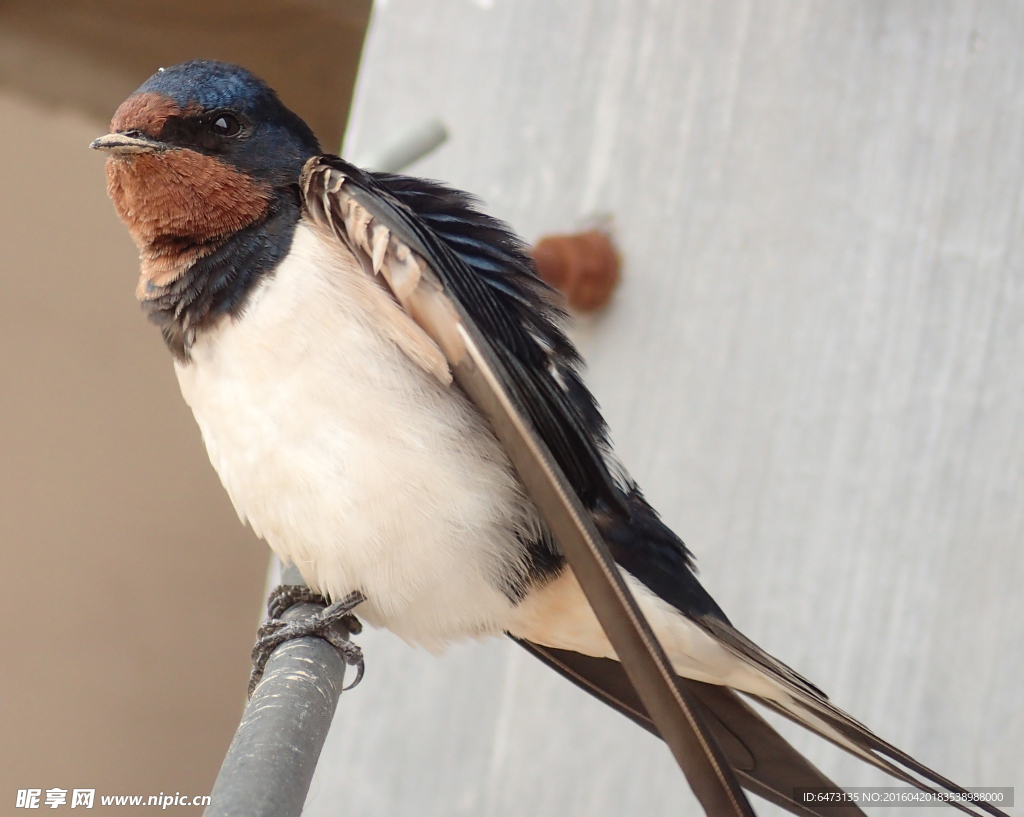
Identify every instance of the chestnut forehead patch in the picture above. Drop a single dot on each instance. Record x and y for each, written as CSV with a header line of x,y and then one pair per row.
x,y
147,112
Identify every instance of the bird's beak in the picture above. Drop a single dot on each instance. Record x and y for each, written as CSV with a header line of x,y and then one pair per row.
x,y
120,144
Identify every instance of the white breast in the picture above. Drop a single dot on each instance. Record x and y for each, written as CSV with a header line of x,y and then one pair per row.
x,y
350,460
363,469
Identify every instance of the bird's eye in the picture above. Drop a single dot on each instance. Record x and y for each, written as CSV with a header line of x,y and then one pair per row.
x,y
225,124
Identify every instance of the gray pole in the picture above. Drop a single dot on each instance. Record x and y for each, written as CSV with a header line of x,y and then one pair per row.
x,y
270,763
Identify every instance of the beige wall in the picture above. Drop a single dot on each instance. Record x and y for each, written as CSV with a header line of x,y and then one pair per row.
x,y
131,591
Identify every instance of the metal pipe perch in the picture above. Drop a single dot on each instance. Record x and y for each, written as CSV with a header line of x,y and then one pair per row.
x,y
271,760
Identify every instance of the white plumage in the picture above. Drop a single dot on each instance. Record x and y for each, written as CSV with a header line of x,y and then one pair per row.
x,y
358,465
349,459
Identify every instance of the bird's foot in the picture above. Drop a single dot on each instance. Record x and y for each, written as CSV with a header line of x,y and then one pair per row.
x,y
333,624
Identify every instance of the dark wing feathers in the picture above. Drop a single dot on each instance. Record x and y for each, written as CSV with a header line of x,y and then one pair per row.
x,y
488,271
514,304
764,761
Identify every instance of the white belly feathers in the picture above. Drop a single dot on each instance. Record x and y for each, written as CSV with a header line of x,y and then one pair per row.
x,y
350,460
363,469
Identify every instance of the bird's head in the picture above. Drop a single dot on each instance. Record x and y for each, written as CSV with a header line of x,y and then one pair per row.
x,y
199,152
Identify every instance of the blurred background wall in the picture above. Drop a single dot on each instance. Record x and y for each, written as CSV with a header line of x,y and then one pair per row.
x,y
130,589
813,367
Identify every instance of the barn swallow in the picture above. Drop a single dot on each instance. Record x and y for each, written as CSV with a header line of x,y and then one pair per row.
x,y
292,290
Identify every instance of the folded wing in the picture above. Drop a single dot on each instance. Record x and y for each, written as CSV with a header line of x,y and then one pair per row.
x,y
393,225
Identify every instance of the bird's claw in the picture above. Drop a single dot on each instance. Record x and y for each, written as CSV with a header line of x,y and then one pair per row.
x,y
333,624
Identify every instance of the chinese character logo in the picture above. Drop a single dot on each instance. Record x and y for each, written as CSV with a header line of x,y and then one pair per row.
x,y
28,798
83,798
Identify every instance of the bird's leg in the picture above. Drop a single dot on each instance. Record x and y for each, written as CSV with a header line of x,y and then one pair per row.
x,y
333,624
